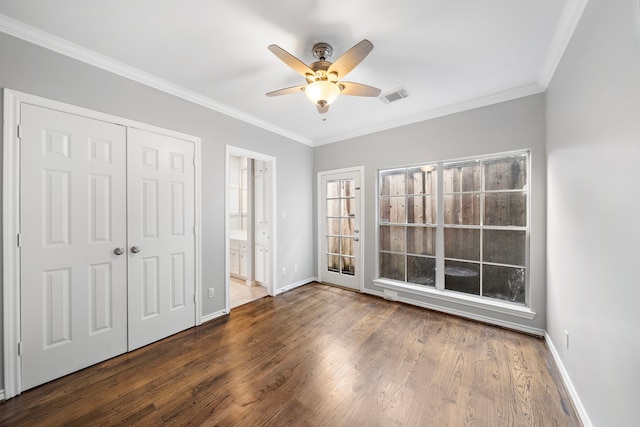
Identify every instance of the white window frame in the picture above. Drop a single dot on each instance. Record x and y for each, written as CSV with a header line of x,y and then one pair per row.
x,y
439,292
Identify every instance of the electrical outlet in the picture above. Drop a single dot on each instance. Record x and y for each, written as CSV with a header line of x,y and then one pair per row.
x,y
284,271
295,268
566,336
211,292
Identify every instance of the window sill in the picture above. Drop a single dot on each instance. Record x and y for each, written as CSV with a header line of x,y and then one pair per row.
x,y
458,298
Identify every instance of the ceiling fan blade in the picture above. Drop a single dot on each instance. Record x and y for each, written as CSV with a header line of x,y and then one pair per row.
x,y
323,109
293,62
358,89
287,90
351,58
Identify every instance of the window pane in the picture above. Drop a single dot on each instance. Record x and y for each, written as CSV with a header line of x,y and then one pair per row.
x,y
462,243
392,209
392,238
333,245
462,277
333,263
504,247
348,207
392,182
422,180
347,188
505,209
333,207
421,270
504,283
392,266
348,265
463,209
422,210
462,177
332,188
333,226
421,240
506,173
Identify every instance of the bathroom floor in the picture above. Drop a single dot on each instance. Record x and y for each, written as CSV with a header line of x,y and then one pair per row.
x,y
241,293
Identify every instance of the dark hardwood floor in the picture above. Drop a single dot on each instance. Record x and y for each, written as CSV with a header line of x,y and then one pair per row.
x,y
314,356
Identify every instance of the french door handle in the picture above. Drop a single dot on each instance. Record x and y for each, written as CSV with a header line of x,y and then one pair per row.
x,y
135,249
118,251
357,239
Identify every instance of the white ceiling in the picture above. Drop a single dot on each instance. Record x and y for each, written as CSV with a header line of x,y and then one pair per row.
x,y
450,55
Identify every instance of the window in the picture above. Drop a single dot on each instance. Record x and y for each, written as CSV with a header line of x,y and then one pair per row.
x,y
467,217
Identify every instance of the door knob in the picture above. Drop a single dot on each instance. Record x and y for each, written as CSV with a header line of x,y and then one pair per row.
x,y
135,249
356,239
118,251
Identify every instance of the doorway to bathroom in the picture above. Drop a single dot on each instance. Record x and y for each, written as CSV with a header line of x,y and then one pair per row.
x,y
250,226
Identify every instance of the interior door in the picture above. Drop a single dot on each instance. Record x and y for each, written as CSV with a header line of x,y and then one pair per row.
x,y
73,217
161,236
340,220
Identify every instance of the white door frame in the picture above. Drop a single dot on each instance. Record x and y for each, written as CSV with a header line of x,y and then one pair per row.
x,y
360,171
11,220
241,152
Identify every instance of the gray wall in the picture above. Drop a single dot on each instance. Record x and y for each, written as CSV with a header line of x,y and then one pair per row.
x,y
593,146
31,69
508,126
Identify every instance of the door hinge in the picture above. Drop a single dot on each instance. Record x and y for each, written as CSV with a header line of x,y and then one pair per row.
x,y
19,240
19,131
194,161
194,298
20,348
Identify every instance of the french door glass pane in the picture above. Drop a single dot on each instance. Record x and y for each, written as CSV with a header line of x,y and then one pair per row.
x,y
340,226
333,226
461,243
392,266
421,270
462,209
504,247
503,283
348,265
333,187
462,277
333,263
333,207
505,209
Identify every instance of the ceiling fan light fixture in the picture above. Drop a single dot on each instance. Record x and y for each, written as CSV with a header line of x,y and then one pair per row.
x,y
322,92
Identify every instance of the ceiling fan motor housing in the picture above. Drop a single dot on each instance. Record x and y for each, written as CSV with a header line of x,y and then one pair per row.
x,y
322,51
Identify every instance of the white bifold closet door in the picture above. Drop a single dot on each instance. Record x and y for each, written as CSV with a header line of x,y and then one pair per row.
x,y
107,241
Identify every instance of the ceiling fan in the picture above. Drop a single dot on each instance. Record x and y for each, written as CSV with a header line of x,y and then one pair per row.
x,y
323,86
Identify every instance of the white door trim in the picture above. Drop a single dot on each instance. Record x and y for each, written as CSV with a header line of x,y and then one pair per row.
x,y
11,219
241,152
359,170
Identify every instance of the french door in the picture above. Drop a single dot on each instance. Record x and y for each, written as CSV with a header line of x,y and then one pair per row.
x,y
340,220
100,274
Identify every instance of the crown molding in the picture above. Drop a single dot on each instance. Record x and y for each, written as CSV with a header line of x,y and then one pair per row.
x,y
48,41
567,25
458,107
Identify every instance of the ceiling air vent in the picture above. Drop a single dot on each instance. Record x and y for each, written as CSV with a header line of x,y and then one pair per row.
x,y
395,95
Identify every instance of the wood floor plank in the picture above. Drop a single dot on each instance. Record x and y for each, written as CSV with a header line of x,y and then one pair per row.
x,y
314,356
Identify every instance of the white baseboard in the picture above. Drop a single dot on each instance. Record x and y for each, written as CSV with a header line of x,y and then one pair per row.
x,y
296,285
212,316
459,313
577,403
